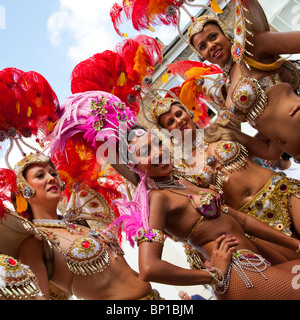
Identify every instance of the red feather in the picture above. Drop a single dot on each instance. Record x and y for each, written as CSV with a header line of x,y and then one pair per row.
x,y
120,14
118,71
8,186
28,102
78,164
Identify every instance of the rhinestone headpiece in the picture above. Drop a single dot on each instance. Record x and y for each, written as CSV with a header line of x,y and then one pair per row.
x,y
164,105
198,25
23,186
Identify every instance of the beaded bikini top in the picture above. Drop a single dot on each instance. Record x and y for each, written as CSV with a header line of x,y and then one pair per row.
x,y
17,280
227,154
85,255
249,97
210,206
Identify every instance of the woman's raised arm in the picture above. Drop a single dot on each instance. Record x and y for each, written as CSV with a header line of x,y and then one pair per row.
x,y
258,229
275,43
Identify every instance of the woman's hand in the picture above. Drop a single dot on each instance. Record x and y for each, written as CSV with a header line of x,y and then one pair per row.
x,y
222,251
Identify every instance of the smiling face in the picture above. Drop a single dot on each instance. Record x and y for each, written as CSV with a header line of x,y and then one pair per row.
x,y
177,118
44,180
148,153
212,44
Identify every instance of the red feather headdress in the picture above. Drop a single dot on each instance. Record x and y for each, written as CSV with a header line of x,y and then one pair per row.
x,y
190,93
145,14
8,186
119,72
29,107
78,165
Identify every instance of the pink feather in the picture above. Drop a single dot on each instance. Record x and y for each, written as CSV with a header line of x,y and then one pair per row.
x,y
134,214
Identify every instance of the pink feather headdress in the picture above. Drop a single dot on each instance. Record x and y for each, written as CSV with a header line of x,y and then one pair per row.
x,y
96,115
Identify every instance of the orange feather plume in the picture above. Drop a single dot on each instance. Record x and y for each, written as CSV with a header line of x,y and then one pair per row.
x,y
78,164
191,94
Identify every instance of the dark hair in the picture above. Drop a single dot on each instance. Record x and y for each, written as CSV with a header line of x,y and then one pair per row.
x,y
285,156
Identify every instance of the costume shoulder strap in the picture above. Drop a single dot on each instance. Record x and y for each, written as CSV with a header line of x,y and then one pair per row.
x,y
250,20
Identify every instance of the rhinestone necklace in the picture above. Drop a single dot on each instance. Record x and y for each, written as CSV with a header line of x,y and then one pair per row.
x,y
172,183
56,223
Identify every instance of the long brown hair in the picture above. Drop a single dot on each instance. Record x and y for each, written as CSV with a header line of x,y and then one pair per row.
x,y
216,132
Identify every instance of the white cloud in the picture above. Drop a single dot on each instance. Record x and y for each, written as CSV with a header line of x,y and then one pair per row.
x,y
83,26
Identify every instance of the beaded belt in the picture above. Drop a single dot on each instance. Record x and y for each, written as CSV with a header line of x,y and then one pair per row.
x,y
270,205
241,261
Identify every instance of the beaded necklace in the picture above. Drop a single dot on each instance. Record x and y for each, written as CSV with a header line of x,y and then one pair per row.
x,y
56,223
172,183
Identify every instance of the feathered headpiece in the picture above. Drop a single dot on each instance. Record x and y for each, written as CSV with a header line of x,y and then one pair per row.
x,y
146,14
78,166
191,93
97,117
28,107
119,72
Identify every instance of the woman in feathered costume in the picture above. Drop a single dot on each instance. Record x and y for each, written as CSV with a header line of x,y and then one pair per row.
x,y
190,92
257,85
29,108
48,244
104,120
238,269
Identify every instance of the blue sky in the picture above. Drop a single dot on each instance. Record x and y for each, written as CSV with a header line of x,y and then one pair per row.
x,y
25,42
27,45
52,36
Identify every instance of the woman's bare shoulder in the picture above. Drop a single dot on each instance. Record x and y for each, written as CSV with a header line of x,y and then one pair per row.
x,y
158,196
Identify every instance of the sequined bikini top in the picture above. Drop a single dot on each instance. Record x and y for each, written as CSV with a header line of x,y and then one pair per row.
x,y
210,206
230,155
17,281
85,255
250,98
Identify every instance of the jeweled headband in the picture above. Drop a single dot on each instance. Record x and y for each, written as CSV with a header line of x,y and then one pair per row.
x,y
198,25
34,158
164,105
